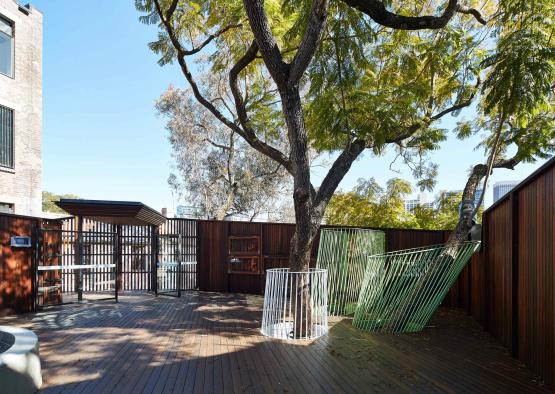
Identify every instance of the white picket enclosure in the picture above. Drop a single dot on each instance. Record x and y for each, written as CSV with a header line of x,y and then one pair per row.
x,y
295,304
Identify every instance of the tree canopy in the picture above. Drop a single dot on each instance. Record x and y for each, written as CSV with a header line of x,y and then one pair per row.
x,y
366,83
516,101
355,75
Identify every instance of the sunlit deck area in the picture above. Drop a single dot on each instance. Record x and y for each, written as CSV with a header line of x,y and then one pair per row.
x,y
210,343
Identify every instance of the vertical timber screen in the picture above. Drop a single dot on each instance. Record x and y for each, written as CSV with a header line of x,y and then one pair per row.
x,y
179,246
136,252
177,242
70,268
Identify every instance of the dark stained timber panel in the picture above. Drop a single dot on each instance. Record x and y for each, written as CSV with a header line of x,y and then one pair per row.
x,y
212,256
499,273
536,257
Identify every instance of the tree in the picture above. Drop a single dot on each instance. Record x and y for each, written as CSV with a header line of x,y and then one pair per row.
x,y
370,205
516,107
218,171
371,82
49,198
444,215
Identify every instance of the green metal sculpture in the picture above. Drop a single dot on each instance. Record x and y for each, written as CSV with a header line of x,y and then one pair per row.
x,y
401,290
344,252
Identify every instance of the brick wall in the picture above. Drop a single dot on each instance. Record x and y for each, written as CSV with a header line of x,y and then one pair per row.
x,y
22,186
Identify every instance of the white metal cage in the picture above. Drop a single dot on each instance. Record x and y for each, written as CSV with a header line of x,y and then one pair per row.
x,y
295,304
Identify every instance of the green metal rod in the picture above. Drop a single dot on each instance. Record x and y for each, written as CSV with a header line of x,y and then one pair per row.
x,y
345,252
401,290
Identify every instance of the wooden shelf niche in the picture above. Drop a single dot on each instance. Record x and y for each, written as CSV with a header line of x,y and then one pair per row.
x,y
244,255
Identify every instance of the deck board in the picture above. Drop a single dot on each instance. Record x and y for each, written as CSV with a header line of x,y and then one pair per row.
x,y
210,343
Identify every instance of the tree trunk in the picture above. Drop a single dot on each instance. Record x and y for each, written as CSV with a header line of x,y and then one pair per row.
x,y
223,211
299,258
306,224
479,172
460,234
302,188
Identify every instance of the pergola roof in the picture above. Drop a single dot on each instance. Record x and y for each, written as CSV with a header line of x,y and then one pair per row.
x,y
113,212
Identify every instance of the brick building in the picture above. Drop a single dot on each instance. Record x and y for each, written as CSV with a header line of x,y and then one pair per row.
x,y
20,108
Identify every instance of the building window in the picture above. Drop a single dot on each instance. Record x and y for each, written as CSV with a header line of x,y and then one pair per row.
x,y
6,207
6,137
6,47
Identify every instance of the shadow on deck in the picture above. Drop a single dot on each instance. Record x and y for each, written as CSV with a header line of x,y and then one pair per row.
x,y
210,343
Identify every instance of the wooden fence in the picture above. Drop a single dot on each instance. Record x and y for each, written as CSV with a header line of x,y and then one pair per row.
x,y
509,286
215,252
16,269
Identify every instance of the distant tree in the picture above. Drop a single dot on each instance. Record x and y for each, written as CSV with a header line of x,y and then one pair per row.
x,y
49,198
216,169
444,215
370,205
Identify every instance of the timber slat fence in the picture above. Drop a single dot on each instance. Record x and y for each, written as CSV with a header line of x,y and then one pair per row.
x,y
509,287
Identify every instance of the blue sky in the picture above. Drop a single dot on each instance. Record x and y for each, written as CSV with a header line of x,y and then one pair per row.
x,y
101,136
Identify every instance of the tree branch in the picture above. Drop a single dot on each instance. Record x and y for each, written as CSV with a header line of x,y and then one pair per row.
x,y
376,10
168,16
243,62
309,41
426,122
209,39
230,156
479,172
336,173
249,135
267,44
460,105
171,9
472,11
409,132
181,54
216,145
491,161
268,174
509,164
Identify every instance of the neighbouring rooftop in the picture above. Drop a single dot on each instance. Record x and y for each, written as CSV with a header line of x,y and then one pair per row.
x,y
113,212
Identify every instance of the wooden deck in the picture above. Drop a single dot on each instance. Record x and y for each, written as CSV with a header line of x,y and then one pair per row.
x,y
210,343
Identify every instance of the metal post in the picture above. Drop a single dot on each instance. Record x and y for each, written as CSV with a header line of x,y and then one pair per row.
x,y
37,258
79,258
179,258
197,257
117,258
154,258
485,305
